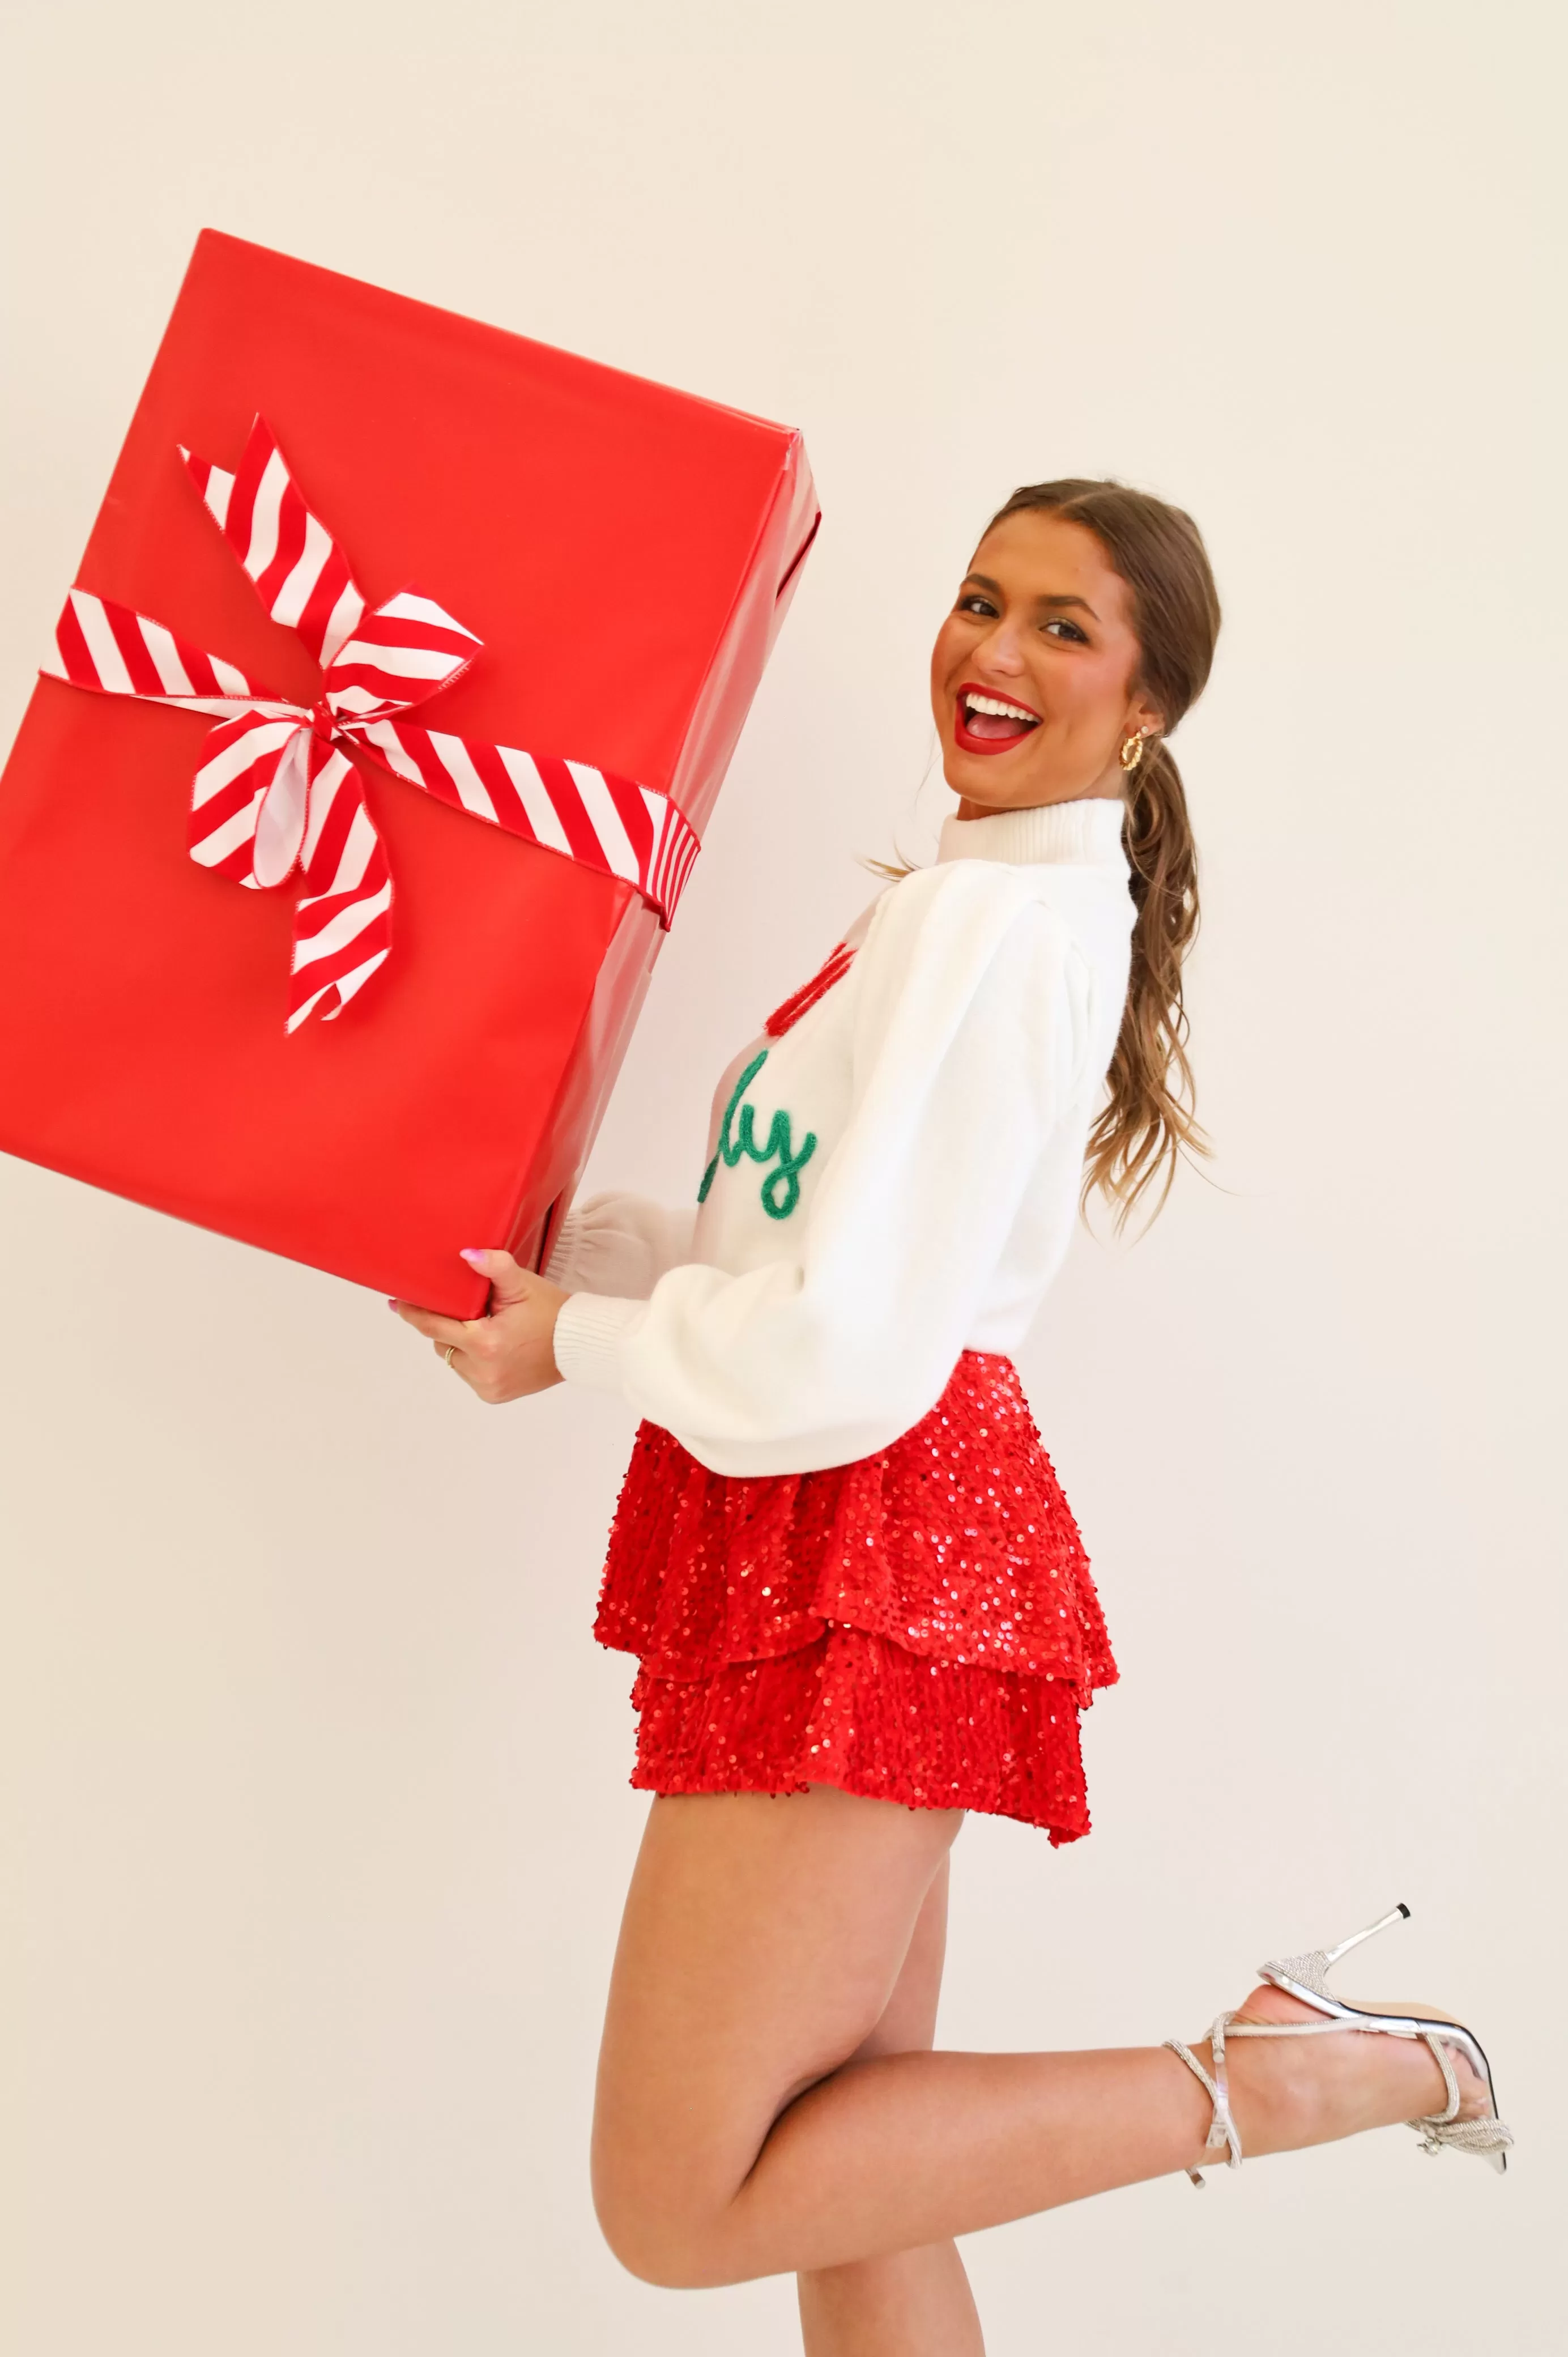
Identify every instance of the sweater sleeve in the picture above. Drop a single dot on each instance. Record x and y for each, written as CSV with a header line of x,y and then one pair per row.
x,y
618,1244
967,1039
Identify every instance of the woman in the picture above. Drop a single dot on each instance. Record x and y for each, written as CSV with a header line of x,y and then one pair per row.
x,y
858,1597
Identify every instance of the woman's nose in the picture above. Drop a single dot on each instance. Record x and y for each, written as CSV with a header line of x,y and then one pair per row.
x,y
1002,651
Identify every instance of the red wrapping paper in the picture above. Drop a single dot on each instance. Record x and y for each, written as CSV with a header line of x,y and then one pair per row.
x,y
626,553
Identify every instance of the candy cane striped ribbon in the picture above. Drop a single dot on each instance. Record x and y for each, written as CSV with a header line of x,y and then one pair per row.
x,y
277,791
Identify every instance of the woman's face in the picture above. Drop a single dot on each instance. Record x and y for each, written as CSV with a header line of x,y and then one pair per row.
x,y
1041,629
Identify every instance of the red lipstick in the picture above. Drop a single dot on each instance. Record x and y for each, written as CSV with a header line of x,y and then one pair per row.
x,y
1013,733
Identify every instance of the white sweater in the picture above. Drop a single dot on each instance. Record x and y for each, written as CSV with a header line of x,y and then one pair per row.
x,y
893,1182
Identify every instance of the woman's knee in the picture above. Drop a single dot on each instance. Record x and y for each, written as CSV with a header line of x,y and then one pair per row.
x,y
658,2234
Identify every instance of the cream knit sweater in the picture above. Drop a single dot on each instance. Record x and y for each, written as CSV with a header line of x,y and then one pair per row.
x,y
893,1182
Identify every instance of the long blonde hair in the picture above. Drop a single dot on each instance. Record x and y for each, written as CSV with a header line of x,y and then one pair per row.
x,y
1148,1121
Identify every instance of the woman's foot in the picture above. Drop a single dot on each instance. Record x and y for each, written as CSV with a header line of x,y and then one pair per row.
x,y
1286,2092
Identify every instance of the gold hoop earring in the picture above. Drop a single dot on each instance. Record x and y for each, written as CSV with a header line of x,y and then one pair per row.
x,y
1133,749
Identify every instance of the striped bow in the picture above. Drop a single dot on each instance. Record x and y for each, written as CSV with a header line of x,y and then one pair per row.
x,y
277,789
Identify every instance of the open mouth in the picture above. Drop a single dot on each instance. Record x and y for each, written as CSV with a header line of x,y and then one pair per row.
x,y
991,724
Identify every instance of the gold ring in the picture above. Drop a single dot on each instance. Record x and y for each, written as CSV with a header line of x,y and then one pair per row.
x,y
450,1353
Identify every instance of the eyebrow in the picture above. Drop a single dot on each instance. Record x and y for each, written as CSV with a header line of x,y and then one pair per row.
x,y
985,582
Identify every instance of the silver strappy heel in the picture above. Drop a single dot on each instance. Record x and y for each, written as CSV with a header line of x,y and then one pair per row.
x,y
1307,1977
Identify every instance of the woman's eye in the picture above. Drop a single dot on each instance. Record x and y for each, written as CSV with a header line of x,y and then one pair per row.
x,y
975,604
1070,630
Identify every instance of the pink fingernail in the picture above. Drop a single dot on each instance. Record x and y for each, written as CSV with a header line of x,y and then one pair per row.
x,y
475,1258
392,1301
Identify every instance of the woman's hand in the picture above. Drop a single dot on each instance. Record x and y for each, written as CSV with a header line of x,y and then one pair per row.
x,y
509,1354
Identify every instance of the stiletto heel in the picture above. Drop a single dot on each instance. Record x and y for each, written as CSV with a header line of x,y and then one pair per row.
x,y
1307,1977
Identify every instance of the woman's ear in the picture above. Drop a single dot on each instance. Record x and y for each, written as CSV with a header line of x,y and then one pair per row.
x,y
1142,714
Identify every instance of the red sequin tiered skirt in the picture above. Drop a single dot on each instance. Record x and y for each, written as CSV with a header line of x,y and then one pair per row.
x,y
920,1626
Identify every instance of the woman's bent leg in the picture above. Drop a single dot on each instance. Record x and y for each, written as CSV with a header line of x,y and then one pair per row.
x,y
735,2136
762,1940
915,2303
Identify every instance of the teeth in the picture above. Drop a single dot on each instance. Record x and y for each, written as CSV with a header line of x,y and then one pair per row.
x,y
994,704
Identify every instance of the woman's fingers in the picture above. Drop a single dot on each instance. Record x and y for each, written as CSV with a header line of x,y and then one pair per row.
x,y
510,1354
441,1330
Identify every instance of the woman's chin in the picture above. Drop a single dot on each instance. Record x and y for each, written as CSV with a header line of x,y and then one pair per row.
x,y
989,791
999,784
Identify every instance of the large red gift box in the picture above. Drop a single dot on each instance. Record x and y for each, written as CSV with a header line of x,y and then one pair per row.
x,y
600,566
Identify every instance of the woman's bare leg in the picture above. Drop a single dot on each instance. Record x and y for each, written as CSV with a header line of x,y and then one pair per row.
x,y
915,2303
736,2137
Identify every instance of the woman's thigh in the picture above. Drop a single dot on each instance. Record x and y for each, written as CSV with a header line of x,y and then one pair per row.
x,y
763,1941
908,2023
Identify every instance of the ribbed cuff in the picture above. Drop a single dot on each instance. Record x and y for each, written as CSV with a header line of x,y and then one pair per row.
x,y
563,1251
590,1333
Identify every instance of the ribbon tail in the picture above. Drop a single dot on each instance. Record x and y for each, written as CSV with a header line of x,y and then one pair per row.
x,y
342,923
300,574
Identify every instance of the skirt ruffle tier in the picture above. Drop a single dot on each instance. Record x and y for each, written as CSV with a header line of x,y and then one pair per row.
x,y
920,1626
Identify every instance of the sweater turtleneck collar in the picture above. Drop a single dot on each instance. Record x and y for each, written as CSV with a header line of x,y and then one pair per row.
x,y
1059,834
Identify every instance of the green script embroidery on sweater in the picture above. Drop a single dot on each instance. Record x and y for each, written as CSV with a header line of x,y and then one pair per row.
x,y
781,1188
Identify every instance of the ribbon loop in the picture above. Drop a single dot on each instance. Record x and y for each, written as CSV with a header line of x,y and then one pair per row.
x,y
281,814
276,790
400,653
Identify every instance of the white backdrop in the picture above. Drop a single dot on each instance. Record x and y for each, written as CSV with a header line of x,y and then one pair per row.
x,y
312,1781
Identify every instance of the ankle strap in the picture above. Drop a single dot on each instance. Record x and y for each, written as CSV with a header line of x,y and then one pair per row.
x,y
1222,2131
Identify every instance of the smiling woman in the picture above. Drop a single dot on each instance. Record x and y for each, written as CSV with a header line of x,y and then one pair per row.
x,y
1039,660
1083,632
858,1600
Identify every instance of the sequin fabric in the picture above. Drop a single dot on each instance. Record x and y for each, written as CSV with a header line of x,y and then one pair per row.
x,y
920,1626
